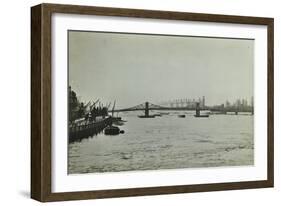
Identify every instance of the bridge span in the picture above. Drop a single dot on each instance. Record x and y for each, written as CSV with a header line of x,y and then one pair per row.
x,y
147,106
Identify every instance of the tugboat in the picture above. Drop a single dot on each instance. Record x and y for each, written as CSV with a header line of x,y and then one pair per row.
x,y
111,130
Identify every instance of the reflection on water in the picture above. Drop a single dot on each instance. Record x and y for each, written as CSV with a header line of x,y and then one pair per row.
x,y
167,142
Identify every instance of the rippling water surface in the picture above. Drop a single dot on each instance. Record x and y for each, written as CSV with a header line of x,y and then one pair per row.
x,y
167,142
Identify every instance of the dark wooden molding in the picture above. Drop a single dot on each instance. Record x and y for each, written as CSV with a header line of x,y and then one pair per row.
x,y
157,14
270,102
41,101
36,58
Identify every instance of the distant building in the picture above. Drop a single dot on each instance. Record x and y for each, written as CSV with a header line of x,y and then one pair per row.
x,y
227,103
203,101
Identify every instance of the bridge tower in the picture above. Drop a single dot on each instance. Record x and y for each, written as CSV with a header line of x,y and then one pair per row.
x,y
146,109
197,109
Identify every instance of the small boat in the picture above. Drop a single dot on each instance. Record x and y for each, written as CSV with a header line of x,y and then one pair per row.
x,y
146,116
111,130
181,115
202,115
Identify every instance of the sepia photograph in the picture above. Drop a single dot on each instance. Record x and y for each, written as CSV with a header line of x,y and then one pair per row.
x,y
133,102
155,102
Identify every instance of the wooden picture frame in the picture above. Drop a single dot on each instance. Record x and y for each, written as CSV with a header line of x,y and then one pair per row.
x,y
41,97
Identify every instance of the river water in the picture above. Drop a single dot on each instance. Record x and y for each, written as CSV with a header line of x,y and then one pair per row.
x,y
167,142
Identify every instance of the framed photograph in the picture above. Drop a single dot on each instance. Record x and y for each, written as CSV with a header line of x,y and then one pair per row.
x,y
129,102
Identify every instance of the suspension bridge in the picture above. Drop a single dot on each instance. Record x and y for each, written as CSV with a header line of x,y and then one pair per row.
x,y
147,106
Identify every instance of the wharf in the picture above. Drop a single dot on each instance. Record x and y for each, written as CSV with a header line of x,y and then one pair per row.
x,y
87,128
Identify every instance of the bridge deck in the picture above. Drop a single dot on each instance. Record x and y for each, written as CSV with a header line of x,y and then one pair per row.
x,y
189,109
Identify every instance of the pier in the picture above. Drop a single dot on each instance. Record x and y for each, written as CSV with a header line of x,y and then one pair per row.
x,y
87,128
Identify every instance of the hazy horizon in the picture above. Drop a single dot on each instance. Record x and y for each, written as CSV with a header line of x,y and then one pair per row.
x,y
132,69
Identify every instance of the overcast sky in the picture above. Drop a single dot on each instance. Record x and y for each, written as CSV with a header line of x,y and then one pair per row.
x,y
132,69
